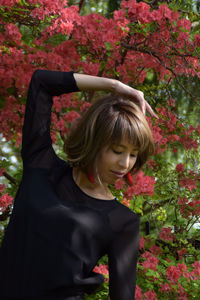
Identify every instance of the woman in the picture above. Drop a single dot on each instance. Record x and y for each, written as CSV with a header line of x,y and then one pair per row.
x,y
65,217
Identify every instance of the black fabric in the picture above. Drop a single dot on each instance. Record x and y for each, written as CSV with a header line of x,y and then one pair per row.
x,y
57,233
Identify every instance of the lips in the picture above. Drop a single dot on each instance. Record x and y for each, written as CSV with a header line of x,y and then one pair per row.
x,y
118,174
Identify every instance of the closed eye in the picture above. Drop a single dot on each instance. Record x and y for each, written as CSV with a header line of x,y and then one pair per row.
x,y
118,152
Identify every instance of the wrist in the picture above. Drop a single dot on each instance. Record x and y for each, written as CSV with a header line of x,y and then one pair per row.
x,y
114,84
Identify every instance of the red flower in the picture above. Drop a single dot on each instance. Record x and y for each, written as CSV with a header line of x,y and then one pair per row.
x,y
138,293
150,295
173,274
2,188
102,269
151,261
143,185
5,201
126,202
180,168
142,243
188,183
119,184
71,116
166,234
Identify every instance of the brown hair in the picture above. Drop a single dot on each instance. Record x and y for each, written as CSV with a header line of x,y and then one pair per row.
x,y
107,122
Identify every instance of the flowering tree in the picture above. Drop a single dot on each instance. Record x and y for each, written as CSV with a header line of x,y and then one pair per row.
x,y
150,49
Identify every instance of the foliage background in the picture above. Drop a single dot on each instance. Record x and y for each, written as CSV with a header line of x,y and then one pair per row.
x,y
167,194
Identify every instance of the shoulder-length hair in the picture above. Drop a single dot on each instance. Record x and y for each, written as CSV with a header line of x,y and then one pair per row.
x,y
108,121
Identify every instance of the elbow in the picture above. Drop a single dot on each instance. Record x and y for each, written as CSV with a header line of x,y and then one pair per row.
x,y
36,74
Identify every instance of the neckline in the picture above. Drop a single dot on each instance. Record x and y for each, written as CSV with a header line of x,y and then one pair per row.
x,y
84,193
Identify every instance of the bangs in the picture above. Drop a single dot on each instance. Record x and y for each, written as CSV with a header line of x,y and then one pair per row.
x,y
131,130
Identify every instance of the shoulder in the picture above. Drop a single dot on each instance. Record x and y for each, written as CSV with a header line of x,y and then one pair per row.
x,y
123,217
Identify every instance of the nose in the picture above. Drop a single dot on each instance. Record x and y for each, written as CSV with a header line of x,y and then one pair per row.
x,y
124,162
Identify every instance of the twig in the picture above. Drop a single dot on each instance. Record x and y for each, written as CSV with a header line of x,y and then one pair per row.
x,y
81,3
153,54
195,221
5,214
10,178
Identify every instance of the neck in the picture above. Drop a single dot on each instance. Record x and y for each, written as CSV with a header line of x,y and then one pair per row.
x,y
95,189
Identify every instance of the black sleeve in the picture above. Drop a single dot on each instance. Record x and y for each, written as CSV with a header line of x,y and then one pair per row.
x,y
37,150
122,257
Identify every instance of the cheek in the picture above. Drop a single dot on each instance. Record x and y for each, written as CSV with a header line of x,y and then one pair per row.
x,y
133,162
107,157
103,162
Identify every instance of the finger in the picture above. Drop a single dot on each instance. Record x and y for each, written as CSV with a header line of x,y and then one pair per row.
x,y
150,110
142,106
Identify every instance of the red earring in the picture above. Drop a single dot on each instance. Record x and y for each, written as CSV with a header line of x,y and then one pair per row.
x,y
91,178
129,178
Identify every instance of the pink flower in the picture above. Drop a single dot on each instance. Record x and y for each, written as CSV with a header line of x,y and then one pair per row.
x,y
180,168
60,125
166,287
181,252
151,261
176,137
189,207
152,164
196,266
171,102
198,127
150,295
2,188
188,183
57,104
143,185
126,202
155,250
166,234
102,269
175,150
138,293
189,143
182,267
71,116
173,274
119,184
5,201
182,295
142,243
85,106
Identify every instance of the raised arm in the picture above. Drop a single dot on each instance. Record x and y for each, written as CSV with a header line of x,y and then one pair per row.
x,y
36,140
37,148
94,83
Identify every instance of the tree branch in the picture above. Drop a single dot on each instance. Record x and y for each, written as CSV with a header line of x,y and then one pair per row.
x,y
153,54
157,205
195,221
5,214
10,178
81,3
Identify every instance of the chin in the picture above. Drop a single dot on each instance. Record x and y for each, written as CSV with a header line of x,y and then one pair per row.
x,y
110,181
113,181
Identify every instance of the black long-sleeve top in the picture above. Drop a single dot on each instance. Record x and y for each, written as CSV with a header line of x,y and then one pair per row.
x,y
57,233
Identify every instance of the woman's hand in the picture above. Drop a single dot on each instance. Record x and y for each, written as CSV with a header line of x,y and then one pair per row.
x,y
134,95
95,83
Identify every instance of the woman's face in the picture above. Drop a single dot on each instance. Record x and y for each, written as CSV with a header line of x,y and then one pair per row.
x,y
115,161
